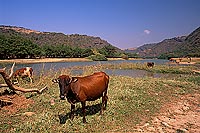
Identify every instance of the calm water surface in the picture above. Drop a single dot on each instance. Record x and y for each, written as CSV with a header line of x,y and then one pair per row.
x,y
38,67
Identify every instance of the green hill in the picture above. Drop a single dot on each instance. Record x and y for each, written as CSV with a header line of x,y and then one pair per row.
x,y
19,42
193,43
52,38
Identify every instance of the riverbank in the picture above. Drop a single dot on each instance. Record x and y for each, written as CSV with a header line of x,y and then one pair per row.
x,y
24,61
185,60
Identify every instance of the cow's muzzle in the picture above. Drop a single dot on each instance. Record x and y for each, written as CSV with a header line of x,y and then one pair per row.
x,y
62,97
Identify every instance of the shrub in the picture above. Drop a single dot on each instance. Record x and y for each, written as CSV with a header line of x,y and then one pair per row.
x,y
98,57
125,57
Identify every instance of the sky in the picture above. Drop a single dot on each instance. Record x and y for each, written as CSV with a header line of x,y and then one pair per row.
x,y
123,23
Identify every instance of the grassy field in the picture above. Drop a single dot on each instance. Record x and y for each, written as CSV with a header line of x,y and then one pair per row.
x,y
131,101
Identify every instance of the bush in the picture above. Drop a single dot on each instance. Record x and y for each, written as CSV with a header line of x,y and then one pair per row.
x,y
125,57
98,57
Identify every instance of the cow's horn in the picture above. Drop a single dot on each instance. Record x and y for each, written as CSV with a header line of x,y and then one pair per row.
x,y
70,79
55,80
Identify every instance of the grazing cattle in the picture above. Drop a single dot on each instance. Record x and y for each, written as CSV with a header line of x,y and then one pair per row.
x,y
24,72
172,60
82,89
150,64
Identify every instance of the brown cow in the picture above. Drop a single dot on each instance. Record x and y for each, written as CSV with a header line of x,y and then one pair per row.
x,y
150,64
82,89
24,72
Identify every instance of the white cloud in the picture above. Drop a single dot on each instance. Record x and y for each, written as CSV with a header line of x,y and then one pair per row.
x,y
147,32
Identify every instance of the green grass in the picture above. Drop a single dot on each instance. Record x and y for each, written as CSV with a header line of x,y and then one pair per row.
x,y
175,69
131,101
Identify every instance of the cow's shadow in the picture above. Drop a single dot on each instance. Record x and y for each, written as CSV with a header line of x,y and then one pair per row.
x,y
90,110
6,94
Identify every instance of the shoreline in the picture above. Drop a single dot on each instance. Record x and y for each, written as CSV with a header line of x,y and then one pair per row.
x,y
45,60
185,61
51,60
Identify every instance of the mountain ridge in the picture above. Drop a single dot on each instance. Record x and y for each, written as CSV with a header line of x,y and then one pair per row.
x,y
174,47
54,38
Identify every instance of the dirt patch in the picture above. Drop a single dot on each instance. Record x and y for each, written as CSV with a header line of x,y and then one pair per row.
x,y
11,104
180,115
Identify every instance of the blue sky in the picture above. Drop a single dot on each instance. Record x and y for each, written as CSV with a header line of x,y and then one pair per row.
x,y
123,23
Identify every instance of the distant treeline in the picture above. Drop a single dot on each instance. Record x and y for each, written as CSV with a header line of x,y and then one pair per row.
x,y
16,47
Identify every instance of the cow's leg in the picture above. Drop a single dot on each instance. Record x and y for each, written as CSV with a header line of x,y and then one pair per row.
x,y
30,77
106,99
104,103
72,111
31,80
84,112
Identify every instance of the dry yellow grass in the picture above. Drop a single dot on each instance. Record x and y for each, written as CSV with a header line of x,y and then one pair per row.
x,y
53,60
44,60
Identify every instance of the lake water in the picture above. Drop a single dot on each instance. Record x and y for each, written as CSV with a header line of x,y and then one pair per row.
x,y
38,67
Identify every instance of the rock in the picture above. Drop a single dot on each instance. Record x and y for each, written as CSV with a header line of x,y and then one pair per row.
x,y
166,124
146,124
52,102
151,129
160,130
185,108
29,113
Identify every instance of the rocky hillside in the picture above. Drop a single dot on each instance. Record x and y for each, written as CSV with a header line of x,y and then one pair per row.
x,y
52,38
174,47
193,43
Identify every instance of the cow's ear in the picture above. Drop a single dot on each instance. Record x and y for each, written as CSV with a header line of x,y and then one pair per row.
x,y
74,80
55,80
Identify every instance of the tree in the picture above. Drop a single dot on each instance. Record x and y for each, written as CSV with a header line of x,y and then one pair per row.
x,y
87,52
18,47
98,57
108,51
76,52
